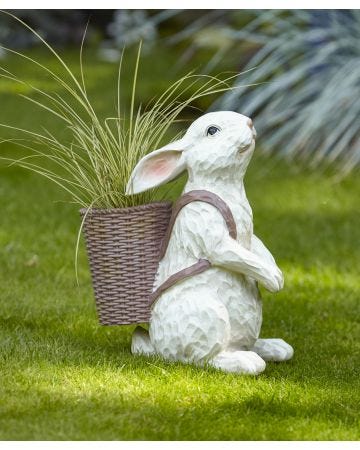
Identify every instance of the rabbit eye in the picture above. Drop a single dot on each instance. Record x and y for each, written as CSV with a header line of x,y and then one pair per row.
x,y
210,131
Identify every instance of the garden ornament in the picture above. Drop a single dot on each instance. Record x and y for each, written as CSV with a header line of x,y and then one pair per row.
x,y
206,306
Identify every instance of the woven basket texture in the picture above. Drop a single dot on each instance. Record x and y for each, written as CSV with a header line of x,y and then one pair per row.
x,y
123,249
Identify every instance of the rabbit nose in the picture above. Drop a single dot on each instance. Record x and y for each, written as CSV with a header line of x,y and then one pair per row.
x,y
250,123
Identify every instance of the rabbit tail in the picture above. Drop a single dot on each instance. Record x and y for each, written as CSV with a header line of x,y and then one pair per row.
x,y
141,344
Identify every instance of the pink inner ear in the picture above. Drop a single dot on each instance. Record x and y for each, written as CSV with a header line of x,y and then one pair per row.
x,y
161,167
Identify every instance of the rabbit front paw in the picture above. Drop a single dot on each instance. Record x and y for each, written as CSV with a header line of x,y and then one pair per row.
x,y
273,280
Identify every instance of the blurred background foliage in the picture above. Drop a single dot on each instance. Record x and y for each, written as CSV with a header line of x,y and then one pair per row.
x,y
302,68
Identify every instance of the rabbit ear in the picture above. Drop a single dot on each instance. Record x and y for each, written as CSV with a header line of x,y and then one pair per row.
x,y
157,168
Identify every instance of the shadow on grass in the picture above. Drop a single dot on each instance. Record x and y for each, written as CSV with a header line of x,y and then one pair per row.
x,y
322,332
158,407
76,380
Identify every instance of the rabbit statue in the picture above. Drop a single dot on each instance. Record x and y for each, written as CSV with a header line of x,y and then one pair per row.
x,y
214,316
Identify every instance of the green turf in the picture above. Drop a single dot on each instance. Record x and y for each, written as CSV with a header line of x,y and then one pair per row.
x,y
64,377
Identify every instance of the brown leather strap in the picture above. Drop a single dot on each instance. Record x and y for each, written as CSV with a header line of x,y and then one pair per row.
x,y
203,196
202,264
196,268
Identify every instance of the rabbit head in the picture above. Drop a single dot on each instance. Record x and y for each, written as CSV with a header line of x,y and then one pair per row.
x,y
216,144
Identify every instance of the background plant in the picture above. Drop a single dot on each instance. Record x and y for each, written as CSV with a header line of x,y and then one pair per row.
x,y
307,74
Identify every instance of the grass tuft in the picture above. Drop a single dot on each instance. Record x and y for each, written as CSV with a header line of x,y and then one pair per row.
x,y
94,166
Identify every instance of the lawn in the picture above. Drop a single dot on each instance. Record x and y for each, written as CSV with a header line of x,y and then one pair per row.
x,y
64,377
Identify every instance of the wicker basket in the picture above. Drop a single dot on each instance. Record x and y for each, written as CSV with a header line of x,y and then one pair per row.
x,y
123,249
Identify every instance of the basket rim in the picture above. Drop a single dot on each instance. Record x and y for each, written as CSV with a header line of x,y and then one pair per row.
x,y
144,207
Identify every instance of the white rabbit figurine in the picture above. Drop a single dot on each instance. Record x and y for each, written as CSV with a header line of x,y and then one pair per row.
x,y
213,317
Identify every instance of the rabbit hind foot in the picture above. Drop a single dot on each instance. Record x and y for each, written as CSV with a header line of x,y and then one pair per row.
x,y
242,362
140,343
273,349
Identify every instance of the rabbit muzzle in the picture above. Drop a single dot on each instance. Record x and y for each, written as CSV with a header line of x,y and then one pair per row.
x,y
249,144
252,128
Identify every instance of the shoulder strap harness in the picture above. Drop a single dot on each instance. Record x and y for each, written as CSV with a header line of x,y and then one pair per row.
x,y
202,264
